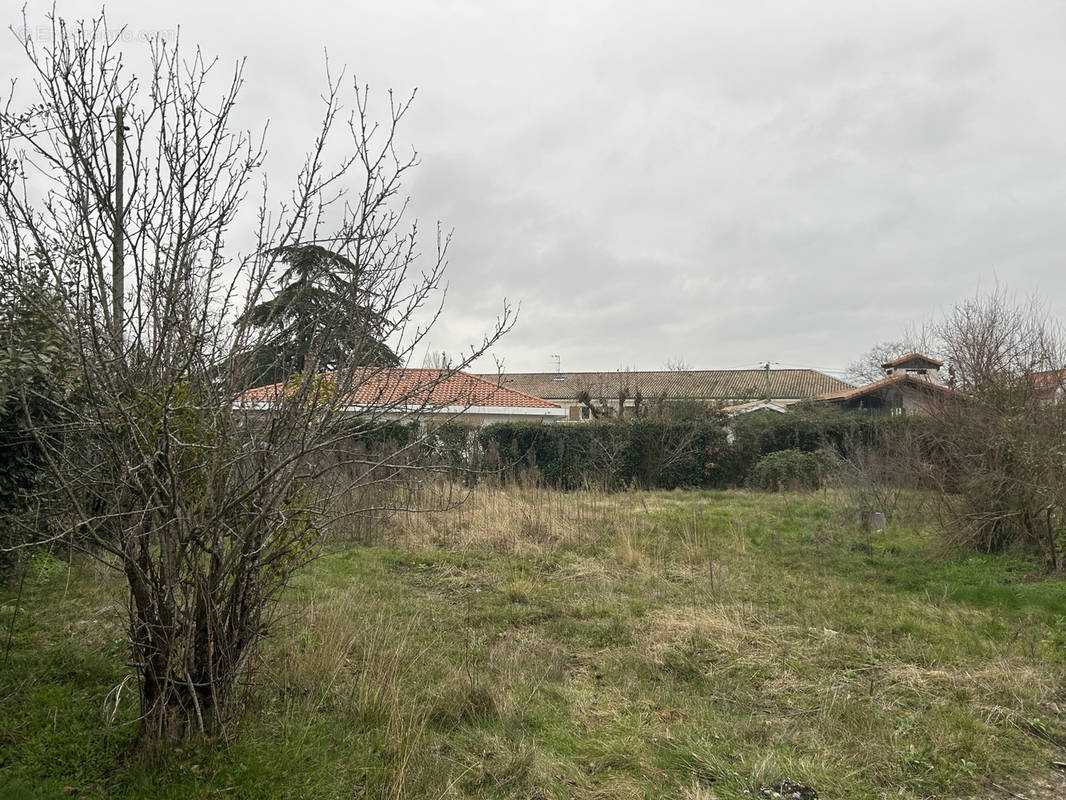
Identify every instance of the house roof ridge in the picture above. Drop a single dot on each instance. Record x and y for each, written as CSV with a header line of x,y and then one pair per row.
x,y
431,386
858,391
709,384
497,386
897,361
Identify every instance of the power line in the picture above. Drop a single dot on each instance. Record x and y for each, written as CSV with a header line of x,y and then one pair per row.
x,y
837,370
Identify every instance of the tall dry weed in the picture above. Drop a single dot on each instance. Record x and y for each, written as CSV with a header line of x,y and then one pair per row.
x,y
514,519
338,658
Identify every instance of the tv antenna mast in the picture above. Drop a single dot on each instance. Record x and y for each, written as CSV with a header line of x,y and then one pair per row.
x,y
766,368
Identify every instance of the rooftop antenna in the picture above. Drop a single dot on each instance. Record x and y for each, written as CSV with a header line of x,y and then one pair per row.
x,y
558,367
766,368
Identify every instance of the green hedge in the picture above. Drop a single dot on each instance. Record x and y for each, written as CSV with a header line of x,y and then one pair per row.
x,y
685,453
806,428
644,453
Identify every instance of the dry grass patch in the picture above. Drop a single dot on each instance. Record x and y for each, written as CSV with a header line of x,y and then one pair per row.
x,y
729,627
521,522
341,653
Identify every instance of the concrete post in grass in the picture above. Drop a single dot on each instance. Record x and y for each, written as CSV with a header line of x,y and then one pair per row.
x,y
872,521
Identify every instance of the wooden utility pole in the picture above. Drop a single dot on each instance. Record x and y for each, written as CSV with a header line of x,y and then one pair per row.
x,y
118,274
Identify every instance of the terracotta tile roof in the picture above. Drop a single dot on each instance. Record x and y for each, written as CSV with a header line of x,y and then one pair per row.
x,y
1046,378
704,384
870,388
912,357
419,388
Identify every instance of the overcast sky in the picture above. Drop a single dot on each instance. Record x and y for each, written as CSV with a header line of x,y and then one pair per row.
x,y
723,183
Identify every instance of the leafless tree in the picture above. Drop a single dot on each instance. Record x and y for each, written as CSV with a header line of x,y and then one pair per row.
x,y
869,369
593,397
584,397
206,500
993,339
887,471
678,365
437,359
623,392
999,457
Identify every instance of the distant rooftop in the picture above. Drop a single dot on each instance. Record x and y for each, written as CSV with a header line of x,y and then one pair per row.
x,y
701,384
913,358
428,388
898,379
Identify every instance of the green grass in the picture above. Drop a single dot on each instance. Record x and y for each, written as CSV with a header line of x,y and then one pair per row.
x,y
681,644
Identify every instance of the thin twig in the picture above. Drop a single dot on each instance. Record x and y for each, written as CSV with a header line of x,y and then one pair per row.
x,y
1005,790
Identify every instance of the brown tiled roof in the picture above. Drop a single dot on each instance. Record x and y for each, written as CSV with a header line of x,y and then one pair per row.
x,y
1046,378
423,388
703,384
912,357
870,388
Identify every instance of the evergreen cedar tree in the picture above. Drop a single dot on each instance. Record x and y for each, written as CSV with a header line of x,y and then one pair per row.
x,y
320,288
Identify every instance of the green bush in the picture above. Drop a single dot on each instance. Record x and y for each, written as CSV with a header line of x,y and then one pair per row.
x,y
645,453
380,433
807,428
39,394
448,445
793,469
668,455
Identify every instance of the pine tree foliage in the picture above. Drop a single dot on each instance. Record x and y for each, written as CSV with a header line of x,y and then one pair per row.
x,y
323,308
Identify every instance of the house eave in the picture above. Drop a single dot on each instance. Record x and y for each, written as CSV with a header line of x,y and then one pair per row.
x,y
413,410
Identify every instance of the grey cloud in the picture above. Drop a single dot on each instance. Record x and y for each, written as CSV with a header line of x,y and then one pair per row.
x,y
721,182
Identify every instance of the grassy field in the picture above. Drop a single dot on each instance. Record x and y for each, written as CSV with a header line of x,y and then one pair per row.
x,y
541,645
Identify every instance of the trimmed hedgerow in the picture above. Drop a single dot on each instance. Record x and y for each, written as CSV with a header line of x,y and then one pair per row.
x,y
806,428
644,453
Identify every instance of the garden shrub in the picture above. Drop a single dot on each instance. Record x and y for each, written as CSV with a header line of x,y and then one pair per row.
x,y
39,391
807,428
447,445
793,469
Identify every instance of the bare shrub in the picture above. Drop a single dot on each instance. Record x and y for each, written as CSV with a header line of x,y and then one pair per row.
x,y
125,195
997,457
888,474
